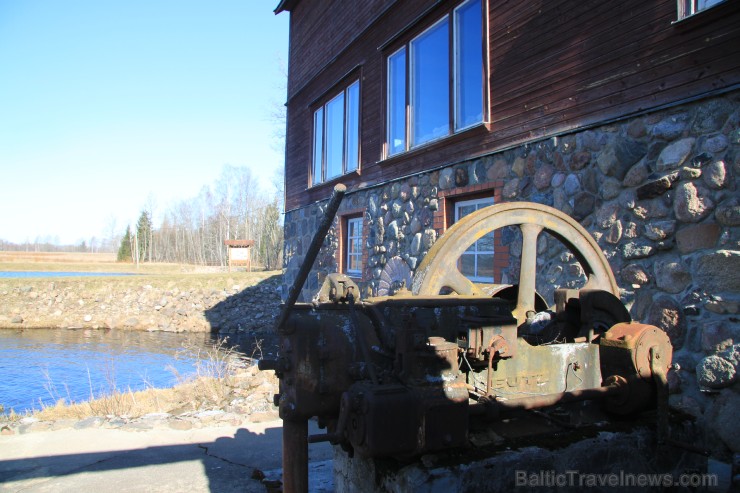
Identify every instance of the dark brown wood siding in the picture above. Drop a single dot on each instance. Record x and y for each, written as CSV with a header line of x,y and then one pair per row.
x,y
554,66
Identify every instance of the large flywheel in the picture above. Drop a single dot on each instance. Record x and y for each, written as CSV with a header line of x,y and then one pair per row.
x,y
439,269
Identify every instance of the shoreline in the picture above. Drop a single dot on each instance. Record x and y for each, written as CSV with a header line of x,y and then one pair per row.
x,y
246,395
223,303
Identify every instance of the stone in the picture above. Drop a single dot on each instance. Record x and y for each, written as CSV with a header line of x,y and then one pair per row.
x,y
511,189
428,238
731,354
615,233
571,185
717,272
671,127
715,372
628,152
675,154
701,160
722,307
591,180
395,190
416,244
461,176
715,144
665,313
392,230
716,336
689,206
542,177
716,175
580,160
16,319
592,140
636,128
446,179
500,166
397,208
583,205
479,171
659,230
726,426
180,424
728,213
636,250
657,187
671,276
610,188
92,422
697,237
557,180
636,175
415,225
606,216
372,206
710,117
634,274
687,174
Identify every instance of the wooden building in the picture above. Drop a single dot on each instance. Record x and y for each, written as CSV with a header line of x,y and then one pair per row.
x,y
429,109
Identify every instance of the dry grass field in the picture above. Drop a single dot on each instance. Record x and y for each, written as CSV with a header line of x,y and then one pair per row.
x,y
185,276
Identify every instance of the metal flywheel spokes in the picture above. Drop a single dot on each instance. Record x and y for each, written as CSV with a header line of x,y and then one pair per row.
x,y
439,268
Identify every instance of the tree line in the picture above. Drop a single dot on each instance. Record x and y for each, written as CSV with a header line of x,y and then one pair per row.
x,y
193,231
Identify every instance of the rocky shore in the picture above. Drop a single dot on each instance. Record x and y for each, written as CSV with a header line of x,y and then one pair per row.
x,y
228,304
249,399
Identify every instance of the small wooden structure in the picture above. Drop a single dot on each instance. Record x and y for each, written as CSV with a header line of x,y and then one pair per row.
x,y
239,253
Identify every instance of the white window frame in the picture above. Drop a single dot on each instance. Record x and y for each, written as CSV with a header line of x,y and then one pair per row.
x,y
349,254
350,157
687,8
479,204
452,75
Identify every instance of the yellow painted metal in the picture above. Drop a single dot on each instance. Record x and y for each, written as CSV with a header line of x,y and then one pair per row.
x,y
439,268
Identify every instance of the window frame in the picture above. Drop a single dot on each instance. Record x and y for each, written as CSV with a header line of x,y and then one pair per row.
x,y
479,204
350,158
689,8
453,64
348,241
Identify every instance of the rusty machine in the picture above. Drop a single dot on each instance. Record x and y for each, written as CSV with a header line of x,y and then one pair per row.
x,y
405,374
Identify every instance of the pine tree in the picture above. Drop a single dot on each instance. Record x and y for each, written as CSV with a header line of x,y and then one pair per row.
x,y
124,251
144,235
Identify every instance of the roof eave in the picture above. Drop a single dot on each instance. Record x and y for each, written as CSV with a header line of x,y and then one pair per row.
x,y
285,5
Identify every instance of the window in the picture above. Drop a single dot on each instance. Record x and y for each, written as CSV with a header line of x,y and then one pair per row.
x,y
691,7
476,263
353,244
435,81
336,135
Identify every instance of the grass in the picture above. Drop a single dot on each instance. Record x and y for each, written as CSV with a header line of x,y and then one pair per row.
x,y
164,275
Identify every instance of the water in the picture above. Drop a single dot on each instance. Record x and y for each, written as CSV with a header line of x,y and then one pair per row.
x,y
24,274
40,366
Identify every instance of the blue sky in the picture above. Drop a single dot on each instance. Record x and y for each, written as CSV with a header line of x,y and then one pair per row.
x,y
106,103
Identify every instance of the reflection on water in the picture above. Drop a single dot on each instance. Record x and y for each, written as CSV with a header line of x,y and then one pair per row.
x,y
40,366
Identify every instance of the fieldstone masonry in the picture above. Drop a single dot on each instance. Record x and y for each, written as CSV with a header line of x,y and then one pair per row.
x,y
658,192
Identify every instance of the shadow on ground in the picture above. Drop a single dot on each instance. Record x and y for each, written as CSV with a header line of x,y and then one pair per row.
x,y
226,464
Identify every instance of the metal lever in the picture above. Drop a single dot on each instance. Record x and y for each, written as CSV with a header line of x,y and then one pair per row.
x,y
311,253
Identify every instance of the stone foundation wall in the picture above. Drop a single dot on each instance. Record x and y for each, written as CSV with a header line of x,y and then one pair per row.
x,y
658,192
607,462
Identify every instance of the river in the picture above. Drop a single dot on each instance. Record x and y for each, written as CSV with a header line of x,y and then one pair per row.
x,y
40,366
